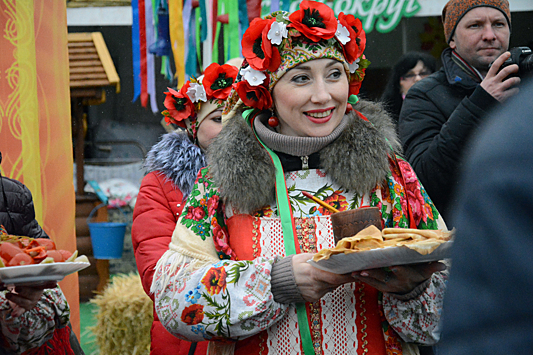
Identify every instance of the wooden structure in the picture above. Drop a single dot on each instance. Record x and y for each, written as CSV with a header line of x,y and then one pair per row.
x,y
91,70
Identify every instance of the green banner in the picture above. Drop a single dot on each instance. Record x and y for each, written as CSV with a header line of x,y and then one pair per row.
x,y
382,15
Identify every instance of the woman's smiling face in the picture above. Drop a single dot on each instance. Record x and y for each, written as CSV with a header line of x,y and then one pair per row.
x,y
310,99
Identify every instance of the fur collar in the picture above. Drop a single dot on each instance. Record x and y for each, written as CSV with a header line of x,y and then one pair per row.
x,y
357,160
178,159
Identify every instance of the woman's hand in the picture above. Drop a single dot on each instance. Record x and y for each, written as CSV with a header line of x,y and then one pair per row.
x,y
315,283
24,298
398,279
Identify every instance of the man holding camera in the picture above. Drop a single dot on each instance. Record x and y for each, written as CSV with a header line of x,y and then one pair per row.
x,y
441,112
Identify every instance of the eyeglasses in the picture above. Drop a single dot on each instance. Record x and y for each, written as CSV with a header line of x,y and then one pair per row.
x,y
410,76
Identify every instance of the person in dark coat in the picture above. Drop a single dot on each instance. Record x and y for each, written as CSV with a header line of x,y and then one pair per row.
x,y
17,213
441,112
487,305
34,319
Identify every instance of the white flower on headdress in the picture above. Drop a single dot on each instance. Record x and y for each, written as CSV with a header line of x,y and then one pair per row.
x,y
342,34
278,31
196,92
252,76
354,66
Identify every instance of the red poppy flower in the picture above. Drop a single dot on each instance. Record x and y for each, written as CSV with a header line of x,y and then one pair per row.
x,y
314,20
179,105
193,314
218,80
254,96
356,46
215,280
257,48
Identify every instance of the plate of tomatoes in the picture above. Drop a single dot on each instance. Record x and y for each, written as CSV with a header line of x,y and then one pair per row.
x,y
25,260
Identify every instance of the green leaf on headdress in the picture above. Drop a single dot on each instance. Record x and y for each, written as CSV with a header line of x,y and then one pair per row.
x,y
312,46
364,63
281,16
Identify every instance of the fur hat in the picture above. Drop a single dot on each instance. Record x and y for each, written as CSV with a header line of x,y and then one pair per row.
x,y
281,41
454,11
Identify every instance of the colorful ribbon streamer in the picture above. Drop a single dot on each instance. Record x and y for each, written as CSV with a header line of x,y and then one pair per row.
x,y
187,15
177,39
136,50
274,5
142,41
233,29
150,63
243,16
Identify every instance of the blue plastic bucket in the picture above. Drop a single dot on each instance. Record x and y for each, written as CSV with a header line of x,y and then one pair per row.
x,y
107,239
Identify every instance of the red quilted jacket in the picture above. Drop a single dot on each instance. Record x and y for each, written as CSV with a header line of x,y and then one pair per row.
x,y
156,212
157,209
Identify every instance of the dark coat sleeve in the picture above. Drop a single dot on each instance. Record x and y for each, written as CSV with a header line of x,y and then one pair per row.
x,y
30,226
435,125
17,212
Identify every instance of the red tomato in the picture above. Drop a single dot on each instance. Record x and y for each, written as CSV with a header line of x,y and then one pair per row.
x,y
20,259
66,254
38,253
9,250
25,242
56,255
47,243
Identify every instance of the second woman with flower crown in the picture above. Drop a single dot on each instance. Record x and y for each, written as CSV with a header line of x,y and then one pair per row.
x,y
236,272
172,165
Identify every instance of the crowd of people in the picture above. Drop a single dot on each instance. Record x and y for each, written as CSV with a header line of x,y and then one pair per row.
x,y
226,258
224,228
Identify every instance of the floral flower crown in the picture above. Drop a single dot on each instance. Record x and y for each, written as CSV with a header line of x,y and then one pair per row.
x,y
185,103
280,41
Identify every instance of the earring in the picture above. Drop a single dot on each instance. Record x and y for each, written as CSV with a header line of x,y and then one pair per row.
x,y
273,121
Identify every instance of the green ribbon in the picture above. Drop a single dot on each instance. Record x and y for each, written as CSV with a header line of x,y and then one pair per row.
x,y
203,15
287,225
198,15
233,29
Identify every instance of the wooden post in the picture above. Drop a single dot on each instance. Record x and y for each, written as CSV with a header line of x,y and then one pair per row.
x,y
77,113
102,265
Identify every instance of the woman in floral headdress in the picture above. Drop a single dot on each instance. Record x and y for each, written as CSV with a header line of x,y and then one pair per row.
x,y
172,165
236,272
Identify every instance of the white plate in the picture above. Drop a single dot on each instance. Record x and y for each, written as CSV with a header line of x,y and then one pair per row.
x,y
371,259
38,273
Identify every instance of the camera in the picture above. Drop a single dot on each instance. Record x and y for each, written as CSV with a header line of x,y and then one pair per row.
x,y
523,57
